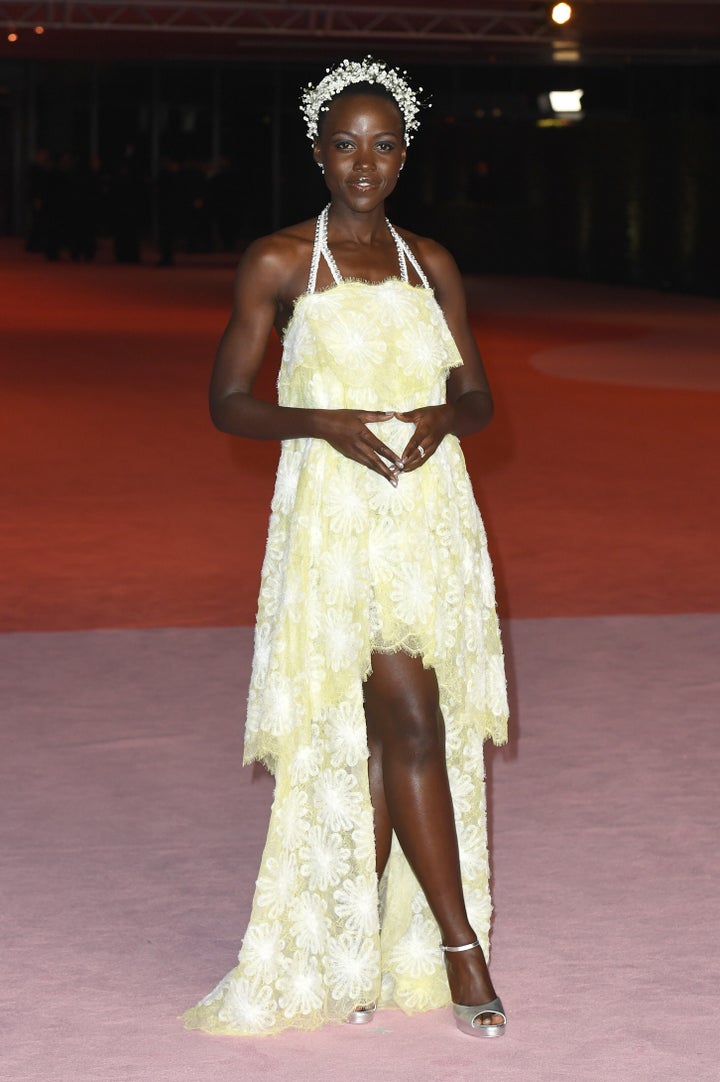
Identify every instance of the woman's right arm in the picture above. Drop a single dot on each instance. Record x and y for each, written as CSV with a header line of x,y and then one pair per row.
x,y
262,278
258,285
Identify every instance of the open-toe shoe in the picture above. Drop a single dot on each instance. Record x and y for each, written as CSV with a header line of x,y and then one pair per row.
x,y
469,1019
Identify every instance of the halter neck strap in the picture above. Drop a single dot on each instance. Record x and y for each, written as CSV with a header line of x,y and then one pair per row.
x,y
322,249
403,250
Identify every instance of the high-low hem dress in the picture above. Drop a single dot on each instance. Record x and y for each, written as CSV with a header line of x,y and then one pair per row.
x,y
352,566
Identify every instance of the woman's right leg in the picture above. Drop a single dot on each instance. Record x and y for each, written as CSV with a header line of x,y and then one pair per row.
x,y
381,816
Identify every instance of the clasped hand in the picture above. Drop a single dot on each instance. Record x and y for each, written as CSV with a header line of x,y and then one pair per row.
x,y
347,432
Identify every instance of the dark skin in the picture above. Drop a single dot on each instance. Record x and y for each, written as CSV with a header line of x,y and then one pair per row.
x,y
361,149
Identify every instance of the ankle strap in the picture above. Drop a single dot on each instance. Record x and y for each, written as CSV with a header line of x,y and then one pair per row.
x,y
465,947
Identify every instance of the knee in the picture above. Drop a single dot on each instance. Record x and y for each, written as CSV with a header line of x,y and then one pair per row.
x,y
415,736
402,709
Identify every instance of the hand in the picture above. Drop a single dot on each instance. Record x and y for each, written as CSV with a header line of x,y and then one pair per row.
x,y
347,432
432,424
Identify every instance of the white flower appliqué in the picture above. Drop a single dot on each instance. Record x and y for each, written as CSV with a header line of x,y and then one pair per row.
x,y
417,954
337,800
262,950
352,966
300,987
324,859
310,922
248,1006
275,889
357,904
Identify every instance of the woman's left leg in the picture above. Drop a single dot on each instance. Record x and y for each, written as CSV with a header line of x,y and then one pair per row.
x,y
409,783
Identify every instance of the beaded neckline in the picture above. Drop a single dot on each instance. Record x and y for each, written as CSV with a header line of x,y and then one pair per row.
x,y
321,248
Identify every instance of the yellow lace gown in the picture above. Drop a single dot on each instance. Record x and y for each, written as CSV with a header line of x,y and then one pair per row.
x,y
354,565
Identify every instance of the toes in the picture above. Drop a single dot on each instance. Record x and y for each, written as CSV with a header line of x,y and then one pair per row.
x,y
488,1020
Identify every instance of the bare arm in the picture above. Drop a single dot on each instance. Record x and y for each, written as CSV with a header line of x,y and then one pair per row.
x,y
468,389
469,406
259,282
266,278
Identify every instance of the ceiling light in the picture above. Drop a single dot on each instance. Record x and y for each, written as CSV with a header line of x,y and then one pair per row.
x,y
561,14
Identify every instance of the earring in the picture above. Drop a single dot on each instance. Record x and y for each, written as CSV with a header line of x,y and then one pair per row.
x,y
401,167
321,167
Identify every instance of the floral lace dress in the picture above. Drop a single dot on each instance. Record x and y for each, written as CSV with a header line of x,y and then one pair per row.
x,y
352,566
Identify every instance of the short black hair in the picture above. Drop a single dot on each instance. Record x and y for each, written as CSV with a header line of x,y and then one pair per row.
x,y
374,90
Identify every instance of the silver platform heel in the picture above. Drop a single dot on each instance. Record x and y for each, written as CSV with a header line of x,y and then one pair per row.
x,y
362,1015
467,1018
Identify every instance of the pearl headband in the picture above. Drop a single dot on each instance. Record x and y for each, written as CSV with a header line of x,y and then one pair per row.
x,y
315,100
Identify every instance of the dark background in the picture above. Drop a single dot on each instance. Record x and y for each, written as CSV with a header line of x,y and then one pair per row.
x,y
629,193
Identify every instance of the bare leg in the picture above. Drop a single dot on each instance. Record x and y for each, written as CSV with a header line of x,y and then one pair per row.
x,y
381,815
411,793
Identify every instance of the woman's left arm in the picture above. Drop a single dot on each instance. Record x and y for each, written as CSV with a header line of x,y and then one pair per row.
x,y
469,405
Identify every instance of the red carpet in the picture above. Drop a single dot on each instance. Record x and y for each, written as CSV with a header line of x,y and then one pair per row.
x,y
124,508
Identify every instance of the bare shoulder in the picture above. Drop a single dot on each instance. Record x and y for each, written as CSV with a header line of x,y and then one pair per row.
x,y
437,262
280,261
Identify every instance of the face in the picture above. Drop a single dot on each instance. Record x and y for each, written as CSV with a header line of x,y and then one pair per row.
x,y
361,149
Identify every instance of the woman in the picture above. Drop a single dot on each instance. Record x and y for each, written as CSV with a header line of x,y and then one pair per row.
x,y
378,668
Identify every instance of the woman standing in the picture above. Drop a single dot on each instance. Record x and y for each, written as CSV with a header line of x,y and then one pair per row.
x,y
378,668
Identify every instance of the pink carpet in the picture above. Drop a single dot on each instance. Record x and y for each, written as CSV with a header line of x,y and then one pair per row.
x,y
131,839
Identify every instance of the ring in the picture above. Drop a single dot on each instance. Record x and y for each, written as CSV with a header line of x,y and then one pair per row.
x,y
421,450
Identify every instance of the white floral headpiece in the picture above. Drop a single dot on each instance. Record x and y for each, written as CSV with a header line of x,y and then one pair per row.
x,y
315,99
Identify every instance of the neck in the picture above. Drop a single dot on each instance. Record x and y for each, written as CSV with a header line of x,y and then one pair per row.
x,y
362,227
